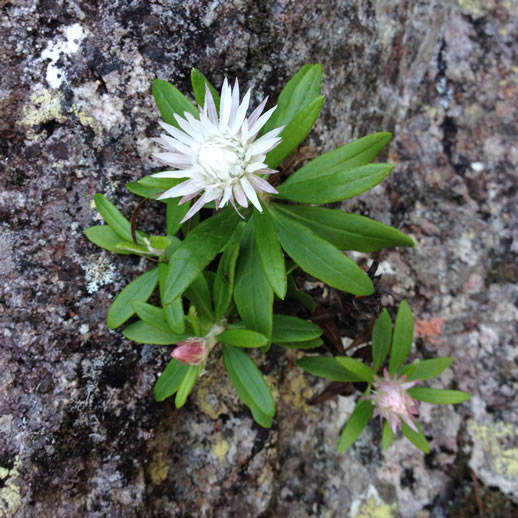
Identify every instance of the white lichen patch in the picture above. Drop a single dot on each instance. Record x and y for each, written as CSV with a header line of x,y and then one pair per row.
x,y
99,273
74,35
95,110
10,495
494,457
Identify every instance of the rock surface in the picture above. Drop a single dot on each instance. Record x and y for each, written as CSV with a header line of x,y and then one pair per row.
x,y
80,434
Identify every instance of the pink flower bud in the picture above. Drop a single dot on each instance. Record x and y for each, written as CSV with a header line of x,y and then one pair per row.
x,y
192,351
393,402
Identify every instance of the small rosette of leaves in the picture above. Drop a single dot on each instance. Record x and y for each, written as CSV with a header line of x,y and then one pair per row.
x,y
394,344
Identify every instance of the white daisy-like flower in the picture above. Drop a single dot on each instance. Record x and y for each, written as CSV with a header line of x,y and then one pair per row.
x,y
219,155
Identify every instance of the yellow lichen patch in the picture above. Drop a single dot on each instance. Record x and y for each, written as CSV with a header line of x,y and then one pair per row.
x,y
371,509
45,106
474,8
84,118
10,498
492,439
296,391
210,394
372,506
220,449
158,469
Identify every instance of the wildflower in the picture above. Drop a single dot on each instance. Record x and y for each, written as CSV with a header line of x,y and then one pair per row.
x,y
393,402
218,155
192,351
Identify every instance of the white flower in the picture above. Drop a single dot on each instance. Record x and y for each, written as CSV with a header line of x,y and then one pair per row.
x,y
219,156
393,402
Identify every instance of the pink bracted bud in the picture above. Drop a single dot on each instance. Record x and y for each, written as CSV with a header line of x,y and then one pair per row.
x,y
192,351
393,402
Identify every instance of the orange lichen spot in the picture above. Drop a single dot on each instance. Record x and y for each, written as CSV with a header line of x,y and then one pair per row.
x,y
429,330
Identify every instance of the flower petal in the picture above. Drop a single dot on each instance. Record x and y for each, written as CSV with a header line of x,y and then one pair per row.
x,y
261,146
225,104
171,174
234,104
210,106
261,121
240,115
239,195
187,187
256,113
198,205
251,194
262,185
178,160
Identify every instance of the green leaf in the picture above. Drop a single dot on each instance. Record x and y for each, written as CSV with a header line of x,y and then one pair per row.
x,y
403,336
295,132
347,231
169,381
426,369
355,425
151,315
138,290
438,396
197,251
242,338
174,214
270,251
254,307
321,259
145,191
198,81
417,439
199,295
163,184
388,435
174,316
302,89
129,246
260,417
173,312
360,369
250,380
115,219
341,185
327,367
143,333
294,293
306,345
105,237
381,337
349,156
187,384
170,101
193,320
287,328
160,242
224,281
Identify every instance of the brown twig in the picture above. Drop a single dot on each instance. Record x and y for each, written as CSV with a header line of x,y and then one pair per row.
x,y
477,494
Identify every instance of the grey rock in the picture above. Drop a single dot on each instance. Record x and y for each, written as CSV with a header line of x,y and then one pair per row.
x,y
80,434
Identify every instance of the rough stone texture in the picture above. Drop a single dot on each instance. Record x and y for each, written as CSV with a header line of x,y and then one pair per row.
x,y
80,434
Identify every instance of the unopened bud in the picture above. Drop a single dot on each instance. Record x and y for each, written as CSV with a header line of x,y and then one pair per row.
x,y
191,351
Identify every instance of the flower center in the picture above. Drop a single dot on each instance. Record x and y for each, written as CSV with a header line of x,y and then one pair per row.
x,y
222,158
